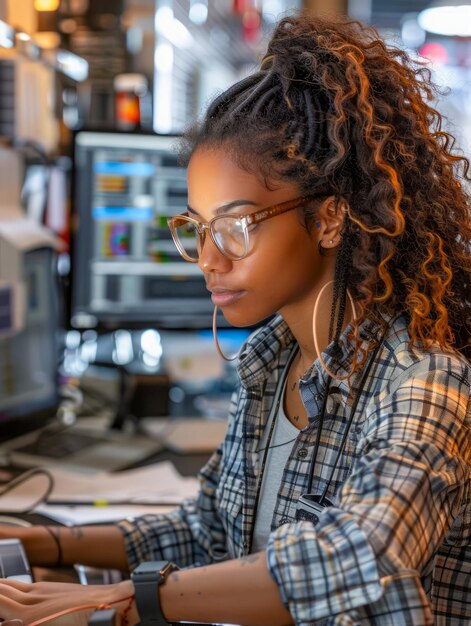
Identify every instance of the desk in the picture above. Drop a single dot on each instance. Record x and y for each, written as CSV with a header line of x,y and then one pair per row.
x,y
75,481
102,448
185,464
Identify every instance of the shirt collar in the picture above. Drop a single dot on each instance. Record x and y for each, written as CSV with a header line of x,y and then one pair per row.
x,y
263,350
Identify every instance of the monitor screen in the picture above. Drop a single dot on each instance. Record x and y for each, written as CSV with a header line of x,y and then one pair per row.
x,y
29,358
126,271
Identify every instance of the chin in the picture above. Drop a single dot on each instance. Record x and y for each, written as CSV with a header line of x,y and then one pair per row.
x,y
245,319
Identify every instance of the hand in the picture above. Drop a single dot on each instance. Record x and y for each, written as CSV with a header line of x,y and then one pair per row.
x,y
32,602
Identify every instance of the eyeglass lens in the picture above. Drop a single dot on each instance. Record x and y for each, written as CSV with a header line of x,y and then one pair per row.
x,y
228,231
187,238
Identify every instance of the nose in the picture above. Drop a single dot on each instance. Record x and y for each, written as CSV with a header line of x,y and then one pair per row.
x,y
211,259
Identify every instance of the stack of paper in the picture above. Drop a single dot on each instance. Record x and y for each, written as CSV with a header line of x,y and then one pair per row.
x,y
82,497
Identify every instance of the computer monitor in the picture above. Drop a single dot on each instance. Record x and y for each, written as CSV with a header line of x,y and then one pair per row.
x,y
29,357
126,271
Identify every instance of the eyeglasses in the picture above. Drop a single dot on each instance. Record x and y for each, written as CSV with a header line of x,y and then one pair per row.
x,y
230,233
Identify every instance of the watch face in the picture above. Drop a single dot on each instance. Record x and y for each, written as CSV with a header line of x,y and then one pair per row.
x,y
168,567
150,567
153,570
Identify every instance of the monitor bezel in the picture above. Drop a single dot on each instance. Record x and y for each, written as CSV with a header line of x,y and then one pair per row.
x,y
103,326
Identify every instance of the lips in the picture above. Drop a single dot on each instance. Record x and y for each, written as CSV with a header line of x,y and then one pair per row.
x,y
223,297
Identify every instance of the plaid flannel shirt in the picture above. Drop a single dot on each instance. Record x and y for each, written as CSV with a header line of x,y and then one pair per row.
x,y
394,549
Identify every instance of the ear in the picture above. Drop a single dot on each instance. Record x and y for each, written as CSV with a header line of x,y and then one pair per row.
x,y
329,221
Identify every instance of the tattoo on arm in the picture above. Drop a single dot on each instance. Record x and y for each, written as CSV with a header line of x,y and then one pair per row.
x,y
175,576
77,532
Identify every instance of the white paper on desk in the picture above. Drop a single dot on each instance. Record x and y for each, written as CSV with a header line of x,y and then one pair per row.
x,y
153,484
76,515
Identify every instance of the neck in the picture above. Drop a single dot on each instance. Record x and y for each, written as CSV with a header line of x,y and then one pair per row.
x,y
300,321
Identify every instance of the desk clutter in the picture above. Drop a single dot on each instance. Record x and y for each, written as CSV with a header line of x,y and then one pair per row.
x,y
84,497
90,443
72,493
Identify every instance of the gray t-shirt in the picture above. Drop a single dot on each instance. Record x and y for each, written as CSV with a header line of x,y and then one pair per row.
x,y
281,444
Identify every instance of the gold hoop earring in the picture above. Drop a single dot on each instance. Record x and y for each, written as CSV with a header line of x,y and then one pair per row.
x,y
215,336
314,333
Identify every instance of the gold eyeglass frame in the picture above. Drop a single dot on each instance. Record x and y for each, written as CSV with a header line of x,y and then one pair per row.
x,y
247,220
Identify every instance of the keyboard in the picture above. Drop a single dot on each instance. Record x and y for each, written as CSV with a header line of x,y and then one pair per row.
x,y
107,450
59,445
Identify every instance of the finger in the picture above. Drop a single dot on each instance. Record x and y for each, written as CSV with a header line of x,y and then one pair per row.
x,y
6,583
10,610
18,593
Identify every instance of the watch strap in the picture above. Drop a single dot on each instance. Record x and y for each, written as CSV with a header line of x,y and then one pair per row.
x,y
147,578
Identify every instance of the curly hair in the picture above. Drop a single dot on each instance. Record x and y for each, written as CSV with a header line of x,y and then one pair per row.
x,y
334,109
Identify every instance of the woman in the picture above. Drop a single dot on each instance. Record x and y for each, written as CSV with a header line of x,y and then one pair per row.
x,y
321,188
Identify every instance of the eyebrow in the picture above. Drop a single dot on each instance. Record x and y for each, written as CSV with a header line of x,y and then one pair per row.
x,y
225,208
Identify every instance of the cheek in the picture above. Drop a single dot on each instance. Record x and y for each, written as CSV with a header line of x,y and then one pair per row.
x,y
274,276
289,268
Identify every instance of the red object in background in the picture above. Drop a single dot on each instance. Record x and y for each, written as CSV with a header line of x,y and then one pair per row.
x,y
129,89
128,113
436,52
251,26
241,6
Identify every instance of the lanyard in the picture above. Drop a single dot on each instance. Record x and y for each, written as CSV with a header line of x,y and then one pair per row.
x,y
322,501
363,380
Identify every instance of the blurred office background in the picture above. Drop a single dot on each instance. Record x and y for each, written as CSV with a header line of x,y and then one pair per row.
x,y
175,54
93,95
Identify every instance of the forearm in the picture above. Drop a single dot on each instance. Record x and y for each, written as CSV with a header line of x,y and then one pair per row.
x,y
99,546
234,592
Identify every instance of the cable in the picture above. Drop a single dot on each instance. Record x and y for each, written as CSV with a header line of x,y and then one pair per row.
x,y
350,420
22,478
278,445
56,538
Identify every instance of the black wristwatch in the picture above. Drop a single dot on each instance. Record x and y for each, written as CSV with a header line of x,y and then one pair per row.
x,y
147,577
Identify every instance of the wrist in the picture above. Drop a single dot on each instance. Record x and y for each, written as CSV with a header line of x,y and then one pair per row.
x,y
122,599
148,579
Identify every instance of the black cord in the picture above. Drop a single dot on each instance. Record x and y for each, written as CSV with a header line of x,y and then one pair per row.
x,y
22,478
350,419
278,445
318,435
56,538
349,424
